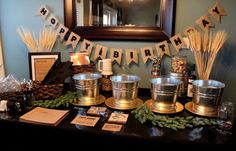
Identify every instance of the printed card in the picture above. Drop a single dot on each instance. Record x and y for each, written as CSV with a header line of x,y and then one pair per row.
x,y
95,110
112,127
85,120
118,118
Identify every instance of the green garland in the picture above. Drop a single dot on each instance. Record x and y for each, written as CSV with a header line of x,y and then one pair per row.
x,y
62,101
143,114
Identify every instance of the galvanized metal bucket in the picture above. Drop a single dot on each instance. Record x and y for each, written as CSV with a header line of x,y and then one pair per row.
x,y
164,93
87,85
207,96
125,89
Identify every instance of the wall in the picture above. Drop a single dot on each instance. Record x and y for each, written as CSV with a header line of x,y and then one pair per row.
x,y
224,67
15,13
2,66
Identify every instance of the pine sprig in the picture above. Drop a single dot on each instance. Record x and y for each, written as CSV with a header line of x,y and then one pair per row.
x,y
62,101
143,114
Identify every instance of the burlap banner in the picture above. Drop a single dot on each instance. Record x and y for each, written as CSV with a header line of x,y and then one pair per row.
x,y
86,46
131,56
43,11
204,22
61,31
53,21
163,48
189,29
116,55
147,53
177,41
73,40
217,11
100,51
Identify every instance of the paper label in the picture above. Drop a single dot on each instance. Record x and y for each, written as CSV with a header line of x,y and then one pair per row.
x,y
85,120
118,118
95,110
112,127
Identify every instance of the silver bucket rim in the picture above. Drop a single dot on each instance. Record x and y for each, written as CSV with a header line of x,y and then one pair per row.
x,y
120,78
202,84
92,76
173,81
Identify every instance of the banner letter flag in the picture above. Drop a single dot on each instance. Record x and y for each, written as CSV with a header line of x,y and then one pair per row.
x,y
73,40
205,23
177,41
100,51
52,20
61,31
147,53
116,55
131,55
162,48
217,11
189,29
43,11
86,46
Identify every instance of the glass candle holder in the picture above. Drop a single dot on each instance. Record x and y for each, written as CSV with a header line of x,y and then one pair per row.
x,y
226,116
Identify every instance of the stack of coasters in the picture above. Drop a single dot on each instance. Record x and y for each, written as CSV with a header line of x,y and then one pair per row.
x,y
112,127
115,122
85,120
95,110
120,118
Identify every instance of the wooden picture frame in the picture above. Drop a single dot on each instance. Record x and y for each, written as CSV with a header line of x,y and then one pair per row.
x,y
40,63
157,34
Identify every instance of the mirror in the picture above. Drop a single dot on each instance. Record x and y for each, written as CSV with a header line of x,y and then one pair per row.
x,y
110,19
118,13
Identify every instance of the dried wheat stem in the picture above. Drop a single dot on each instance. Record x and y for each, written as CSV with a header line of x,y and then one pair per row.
x,y
47,39
205,48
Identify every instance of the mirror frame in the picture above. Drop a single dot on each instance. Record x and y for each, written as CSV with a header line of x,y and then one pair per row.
x,y
164,32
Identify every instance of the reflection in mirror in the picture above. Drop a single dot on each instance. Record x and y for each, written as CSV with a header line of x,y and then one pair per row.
x,y
108,21
118,13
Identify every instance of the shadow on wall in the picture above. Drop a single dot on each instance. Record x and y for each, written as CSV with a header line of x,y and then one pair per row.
x,y
224,71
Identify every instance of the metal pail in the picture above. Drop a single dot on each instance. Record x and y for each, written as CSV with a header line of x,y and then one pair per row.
x,y
207,96
87,85
125,89
164,93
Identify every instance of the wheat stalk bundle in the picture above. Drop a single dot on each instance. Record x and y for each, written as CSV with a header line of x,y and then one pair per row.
x,y
46,41
47,38
205,47
28,38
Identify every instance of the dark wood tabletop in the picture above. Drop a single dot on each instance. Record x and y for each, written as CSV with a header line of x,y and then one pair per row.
x,y
133,134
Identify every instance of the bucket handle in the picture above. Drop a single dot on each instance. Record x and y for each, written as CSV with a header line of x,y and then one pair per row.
x,y
99,65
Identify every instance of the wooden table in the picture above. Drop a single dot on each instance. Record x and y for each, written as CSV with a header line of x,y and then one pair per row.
x,y
133,134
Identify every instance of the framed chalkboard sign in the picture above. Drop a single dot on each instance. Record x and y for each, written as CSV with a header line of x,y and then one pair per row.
x,y
40,63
